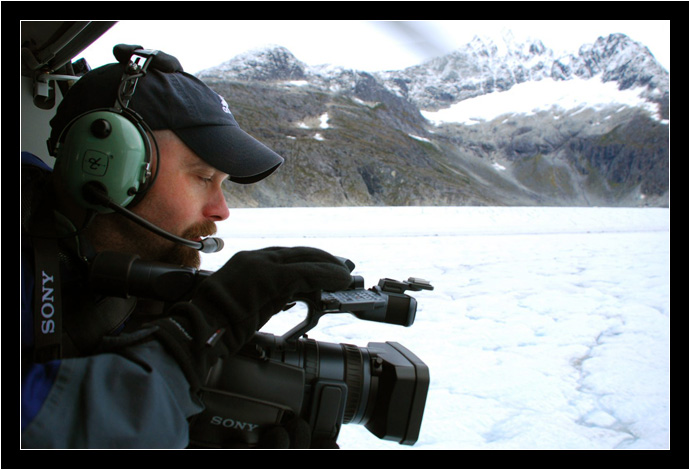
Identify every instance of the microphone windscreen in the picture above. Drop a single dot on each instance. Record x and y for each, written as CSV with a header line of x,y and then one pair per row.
x,y
211,245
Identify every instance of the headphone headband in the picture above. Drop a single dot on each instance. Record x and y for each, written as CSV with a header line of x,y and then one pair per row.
x,y
133,72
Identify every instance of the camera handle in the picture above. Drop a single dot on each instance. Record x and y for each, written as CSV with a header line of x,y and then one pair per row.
x,y
314,313
385,303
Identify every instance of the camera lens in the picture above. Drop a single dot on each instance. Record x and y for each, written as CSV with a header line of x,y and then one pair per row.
x,y
354,378
344,363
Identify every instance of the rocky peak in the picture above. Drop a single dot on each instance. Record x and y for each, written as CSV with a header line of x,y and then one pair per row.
x,y
264,64
482,66
619,58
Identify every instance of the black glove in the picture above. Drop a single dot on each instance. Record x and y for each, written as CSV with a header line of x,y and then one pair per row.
x,y
294,434
238,299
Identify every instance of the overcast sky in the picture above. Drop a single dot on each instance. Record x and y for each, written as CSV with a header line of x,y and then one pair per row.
x,y
363,45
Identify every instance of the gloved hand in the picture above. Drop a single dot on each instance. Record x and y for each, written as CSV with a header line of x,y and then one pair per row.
x,y
294,434
238,299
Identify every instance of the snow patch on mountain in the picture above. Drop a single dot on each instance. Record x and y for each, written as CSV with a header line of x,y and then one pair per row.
x,y
529,98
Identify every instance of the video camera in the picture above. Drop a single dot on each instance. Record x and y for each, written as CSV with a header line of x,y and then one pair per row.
x,y
382,386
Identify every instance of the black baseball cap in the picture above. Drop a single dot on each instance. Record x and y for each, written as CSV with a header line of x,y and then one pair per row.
x,y
169,98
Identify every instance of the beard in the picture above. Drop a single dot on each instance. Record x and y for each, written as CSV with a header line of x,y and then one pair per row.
x,y
184,255
114,232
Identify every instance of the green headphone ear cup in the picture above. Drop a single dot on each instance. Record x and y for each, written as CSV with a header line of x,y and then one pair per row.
x,y
108,148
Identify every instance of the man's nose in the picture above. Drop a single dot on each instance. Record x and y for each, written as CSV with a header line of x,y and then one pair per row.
x,y
217,208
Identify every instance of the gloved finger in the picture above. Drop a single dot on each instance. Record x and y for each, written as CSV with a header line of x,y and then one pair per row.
x,y
324,444
300,433
310,269
298,254
279,273
303,254
312,277
276,437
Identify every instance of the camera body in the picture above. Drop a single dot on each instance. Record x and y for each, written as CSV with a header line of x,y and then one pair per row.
x,y
382,386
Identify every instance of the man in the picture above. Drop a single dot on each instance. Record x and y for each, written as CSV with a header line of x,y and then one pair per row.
x,y
108,372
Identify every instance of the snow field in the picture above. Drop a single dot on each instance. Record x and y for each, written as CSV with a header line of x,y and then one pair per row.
x,y
547,328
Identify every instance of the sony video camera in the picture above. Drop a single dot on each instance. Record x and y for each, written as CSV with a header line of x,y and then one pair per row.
x,y
382,386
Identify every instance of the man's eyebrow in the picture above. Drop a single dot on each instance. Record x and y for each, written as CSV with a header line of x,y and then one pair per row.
x,y
198,164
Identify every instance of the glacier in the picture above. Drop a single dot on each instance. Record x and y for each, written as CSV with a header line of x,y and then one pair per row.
x,y
548,328
561,97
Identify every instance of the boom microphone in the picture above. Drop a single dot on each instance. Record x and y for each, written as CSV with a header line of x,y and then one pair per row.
x,y
96,194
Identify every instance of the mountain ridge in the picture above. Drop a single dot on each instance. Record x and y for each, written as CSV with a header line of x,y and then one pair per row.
x,y
357,138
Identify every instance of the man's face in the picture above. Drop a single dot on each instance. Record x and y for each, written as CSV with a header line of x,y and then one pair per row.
x,y
186,200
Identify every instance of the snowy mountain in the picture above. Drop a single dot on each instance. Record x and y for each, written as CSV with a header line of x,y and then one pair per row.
x,y
491,123
483,66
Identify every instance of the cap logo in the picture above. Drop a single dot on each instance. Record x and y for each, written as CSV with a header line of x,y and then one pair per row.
x,y
224,105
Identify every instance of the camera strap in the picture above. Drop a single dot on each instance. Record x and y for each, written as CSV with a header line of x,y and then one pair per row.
x,y
47,292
